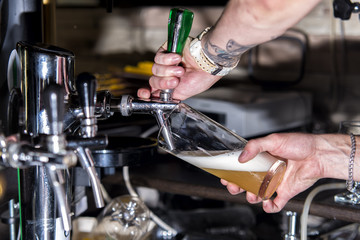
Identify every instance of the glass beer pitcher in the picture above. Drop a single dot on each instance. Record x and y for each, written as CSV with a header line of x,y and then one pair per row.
x,y
206,144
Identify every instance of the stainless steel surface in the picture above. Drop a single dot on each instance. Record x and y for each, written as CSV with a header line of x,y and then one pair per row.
x,y
63,205
86,88
39,212
56,143
87,163
17,154
131,105
158,107
164,128
41,65
88,127
166,94
103,105
12,228
291,234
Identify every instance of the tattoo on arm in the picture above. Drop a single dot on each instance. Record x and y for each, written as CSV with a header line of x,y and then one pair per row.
x,y
228,57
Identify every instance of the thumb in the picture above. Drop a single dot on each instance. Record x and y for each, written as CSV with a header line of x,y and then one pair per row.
x,y
249,152
276,205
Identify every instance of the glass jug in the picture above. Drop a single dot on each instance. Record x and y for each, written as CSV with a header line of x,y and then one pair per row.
x,y
125,217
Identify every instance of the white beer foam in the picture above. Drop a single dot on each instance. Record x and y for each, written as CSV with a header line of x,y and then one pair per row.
x,y
227,161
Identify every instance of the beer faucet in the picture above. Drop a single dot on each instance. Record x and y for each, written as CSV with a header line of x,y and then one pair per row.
x,y
56,143
17,153
179,25
86,88
157,107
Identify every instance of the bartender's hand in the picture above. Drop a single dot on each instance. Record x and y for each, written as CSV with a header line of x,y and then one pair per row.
x,y
171,71
309,158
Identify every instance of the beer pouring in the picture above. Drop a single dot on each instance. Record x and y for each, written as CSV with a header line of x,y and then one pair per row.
x,y
59,130
206,144
197,139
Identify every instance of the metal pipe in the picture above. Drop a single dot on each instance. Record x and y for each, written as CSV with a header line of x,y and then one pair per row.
x,y
12,219
291,235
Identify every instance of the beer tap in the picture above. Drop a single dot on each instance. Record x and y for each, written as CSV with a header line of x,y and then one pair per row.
x,y
157,107
18,153
21,154
179,25
52,155
86,87
56,143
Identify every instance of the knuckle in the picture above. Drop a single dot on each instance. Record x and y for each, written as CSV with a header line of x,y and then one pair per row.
x,y
154,69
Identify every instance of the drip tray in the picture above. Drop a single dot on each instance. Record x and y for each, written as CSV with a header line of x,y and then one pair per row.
x,y
125,151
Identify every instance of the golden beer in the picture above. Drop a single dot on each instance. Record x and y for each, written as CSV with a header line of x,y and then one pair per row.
x,y
206,144
261,175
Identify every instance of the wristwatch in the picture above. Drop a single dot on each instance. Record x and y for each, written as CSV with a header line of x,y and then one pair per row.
x,y
203,61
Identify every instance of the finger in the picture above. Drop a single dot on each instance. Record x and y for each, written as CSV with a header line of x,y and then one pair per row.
x,y
270,143
164,58
255,146
234,189
143,93
252,198
274,206
163,82
160,70
246,155
224,182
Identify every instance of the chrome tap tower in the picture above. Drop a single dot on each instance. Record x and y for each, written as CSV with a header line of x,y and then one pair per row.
x,y
41,66
52,119
50,106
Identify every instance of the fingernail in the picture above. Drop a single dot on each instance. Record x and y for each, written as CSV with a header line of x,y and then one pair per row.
x,y
243,155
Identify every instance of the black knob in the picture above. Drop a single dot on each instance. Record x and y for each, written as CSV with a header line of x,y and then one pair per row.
x,y
86,88
54,106
344,8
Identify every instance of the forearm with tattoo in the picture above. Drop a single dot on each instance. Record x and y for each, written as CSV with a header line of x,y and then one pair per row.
x,y
225,57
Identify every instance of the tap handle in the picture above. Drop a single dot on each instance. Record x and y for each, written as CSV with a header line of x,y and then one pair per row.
x,y
179,26
54,107
86,88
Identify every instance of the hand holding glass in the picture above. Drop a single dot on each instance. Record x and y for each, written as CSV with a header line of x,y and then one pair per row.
x,y
206,144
